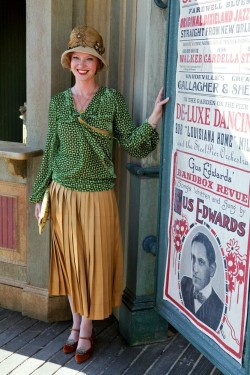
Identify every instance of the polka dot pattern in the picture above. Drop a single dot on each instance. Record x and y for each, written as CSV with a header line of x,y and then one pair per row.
x,y
79,156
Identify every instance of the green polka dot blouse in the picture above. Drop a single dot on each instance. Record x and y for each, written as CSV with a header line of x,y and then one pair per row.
x,y
78,151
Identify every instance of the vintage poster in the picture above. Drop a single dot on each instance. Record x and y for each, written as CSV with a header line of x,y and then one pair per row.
x,y
207,270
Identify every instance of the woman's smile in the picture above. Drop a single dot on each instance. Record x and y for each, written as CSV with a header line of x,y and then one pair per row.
x,y
82,72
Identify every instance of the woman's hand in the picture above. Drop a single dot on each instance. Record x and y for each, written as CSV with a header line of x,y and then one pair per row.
x,y
37,210
156,115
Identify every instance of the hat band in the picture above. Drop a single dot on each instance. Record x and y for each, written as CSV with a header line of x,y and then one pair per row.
x,y
80,48
100,50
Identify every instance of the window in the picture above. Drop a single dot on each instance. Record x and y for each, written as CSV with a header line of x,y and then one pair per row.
x,y
12,68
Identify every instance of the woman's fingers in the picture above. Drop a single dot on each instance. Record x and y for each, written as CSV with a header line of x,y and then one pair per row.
x,y
164,101
160,100
37,210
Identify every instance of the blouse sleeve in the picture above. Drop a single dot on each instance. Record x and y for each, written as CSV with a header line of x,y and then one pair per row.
x,y
137,141
44,176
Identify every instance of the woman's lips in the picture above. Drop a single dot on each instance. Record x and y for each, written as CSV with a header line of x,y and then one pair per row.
x,y
82,72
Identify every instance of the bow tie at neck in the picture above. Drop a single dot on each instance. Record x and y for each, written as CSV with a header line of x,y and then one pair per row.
x,y
199,296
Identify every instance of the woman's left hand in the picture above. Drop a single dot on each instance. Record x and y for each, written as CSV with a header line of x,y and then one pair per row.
x,y
156,115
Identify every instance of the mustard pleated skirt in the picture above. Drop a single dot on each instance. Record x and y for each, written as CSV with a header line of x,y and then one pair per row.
x,y
86,250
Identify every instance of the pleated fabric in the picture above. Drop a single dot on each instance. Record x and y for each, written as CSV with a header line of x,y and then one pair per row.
x,y
86,250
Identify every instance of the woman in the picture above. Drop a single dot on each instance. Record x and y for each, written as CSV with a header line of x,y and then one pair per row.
x,y
86,254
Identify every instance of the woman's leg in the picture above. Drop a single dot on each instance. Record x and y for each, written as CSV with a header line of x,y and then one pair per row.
x,y
74,335
86,330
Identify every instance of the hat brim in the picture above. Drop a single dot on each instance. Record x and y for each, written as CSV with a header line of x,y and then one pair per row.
x,y
65,58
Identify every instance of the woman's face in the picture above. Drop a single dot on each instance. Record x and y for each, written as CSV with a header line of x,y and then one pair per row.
x,y
84,66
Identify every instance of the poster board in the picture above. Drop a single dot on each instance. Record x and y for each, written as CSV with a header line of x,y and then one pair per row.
x,y
204,208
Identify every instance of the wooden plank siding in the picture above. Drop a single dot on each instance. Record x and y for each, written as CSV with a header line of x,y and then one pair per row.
x,y
8,206
29,346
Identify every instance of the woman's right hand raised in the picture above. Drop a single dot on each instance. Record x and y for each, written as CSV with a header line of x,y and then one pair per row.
x,y
37,210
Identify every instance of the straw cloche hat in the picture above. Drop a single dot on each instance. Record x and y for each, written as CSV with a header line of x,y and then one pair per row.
x,y
87,40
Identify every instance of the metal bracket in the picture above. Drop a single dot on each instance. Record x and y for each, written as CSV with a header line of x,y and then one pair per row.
x,y
149,244
161,4
137,170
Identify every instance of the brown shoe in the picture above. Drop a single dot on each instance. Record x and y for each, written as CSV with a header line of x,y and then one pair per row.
x,y
81,354
70,345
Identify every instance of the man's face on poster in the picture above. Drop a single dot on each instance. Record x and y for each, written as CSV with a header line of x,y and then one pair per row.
x,y
202,271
